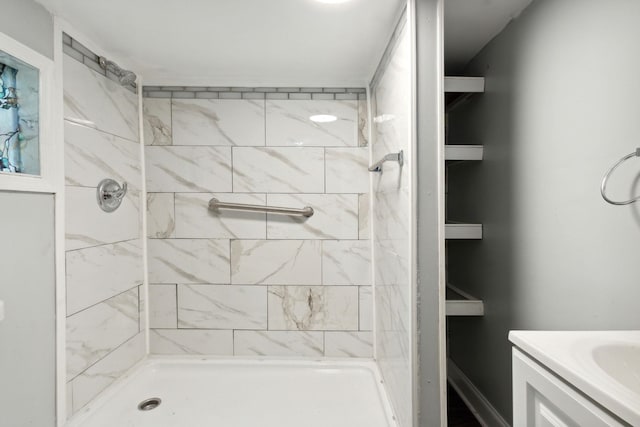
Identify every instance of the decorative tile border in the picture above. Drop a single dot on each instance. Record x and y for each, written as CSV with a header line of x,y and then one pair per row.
x,y
290,93
86,56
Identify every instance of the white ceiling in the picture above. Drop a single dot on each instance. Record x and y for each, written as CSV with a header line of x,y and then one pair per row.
x,y
268,42
239,42
471,24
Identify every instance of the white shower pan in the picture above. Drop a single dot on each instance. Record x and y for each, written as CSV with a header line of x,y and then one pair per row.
x,y
244,393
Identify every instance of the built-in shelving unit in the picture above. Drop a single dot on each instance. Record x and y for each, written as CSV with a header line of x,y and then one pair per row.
x,y
460,303
458,89
463,231
463,152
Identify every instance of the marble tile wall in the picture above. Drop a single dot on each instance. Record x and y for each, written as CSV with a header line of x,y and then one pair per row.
x,y
251,284
391,112
104,269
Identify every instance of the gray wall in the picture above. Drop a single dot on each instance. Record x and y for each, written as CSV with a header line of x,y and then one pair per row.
x,y
27,287
29,23
561,106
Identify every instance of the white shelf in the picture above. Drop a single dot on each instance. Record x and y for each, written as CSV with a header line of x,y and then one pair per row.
x,y
463,231
463,152
460,303
464,84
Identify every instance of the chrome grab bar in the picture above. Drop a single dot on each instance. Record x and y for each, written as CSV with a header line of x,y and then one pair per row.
x,y
215,204
391,157
605,179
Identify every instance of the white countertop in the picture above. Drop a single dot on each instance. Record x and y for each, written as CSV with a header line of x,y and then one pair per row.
x,y
570,355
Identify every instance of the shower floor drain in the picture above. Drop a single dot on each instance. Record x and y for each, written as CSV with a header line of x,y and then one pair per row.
x,y
149,404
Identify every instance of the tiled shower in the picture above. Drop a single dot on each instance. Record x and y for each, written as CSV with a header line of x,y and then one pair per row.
x,y
229,284
253,284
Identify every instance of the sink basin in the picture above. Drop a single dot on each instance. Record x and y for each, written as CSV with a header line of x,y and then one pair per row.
x,y
621,362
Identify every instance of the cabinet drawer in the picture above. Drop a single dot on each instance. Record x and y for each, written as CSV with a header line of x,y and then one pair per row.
x,y
540,399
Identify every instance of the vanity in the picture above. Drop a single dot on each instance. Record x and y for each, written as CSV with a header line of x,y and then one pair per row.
x,y
577,379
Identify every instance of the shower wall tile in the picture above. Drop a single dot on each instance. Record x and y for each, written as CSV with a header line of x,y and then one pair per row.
x,y
104,269
92,155
163,304
222,307
250,284
348,344
157,121
335,217
95,101
143,305
87,225
98,273
309,308
346,262
282,262
366,308
97,331
363,216
278,343
188,261
284,170
347,170
392,234
195,220
105,372
161,223
289,124
188,169
363,123
191,341
225,122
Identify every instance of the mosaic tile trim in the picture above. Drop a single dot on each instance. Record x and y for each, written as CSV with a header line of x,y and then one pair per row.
x,y
86,56
291,93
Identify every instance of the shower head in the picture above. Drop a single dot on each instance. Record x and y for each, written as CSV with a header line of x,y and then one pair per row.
x,y
125,77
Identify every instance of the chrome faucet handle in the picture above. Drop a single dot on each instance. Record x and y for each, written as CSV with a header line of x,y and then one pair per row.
x,y
110,194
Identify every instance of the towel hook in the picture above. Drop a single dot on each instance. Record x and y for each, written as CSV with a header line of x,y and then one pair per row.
x,y
603,186
110,194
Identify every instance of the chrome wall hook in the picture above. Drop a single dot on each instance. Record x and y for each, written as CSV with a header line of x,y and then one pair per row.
x,y
391,157
605,179
110,194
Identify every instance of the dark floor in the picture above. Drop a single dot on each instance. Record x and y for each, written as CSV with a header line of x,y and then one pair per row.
x,y
458,413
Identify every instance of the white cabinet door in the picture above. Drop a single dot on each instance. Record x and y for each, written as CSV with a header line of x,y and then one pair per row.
x,y
540,399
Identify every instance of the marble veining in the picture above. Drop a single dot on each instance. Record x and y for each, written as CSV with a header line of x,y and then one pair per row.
x,y
87,225
346,262
98,273
105,372
335,217
309,308
347,170
163,311
188,261
161,223
191,341
278,343
94,100
280,262
222,307
227,122
188,169
98,330
285,170
391,225
289,124
195,220
157,121
92,155
348,344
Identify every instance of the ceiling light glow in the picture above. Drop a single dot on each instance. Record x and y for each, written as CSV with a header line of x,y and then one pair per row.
x,y
332,1
323,118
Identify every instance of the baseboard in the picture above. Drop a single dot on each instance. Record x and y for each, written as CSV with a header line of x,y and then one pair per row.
x,y
484,412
